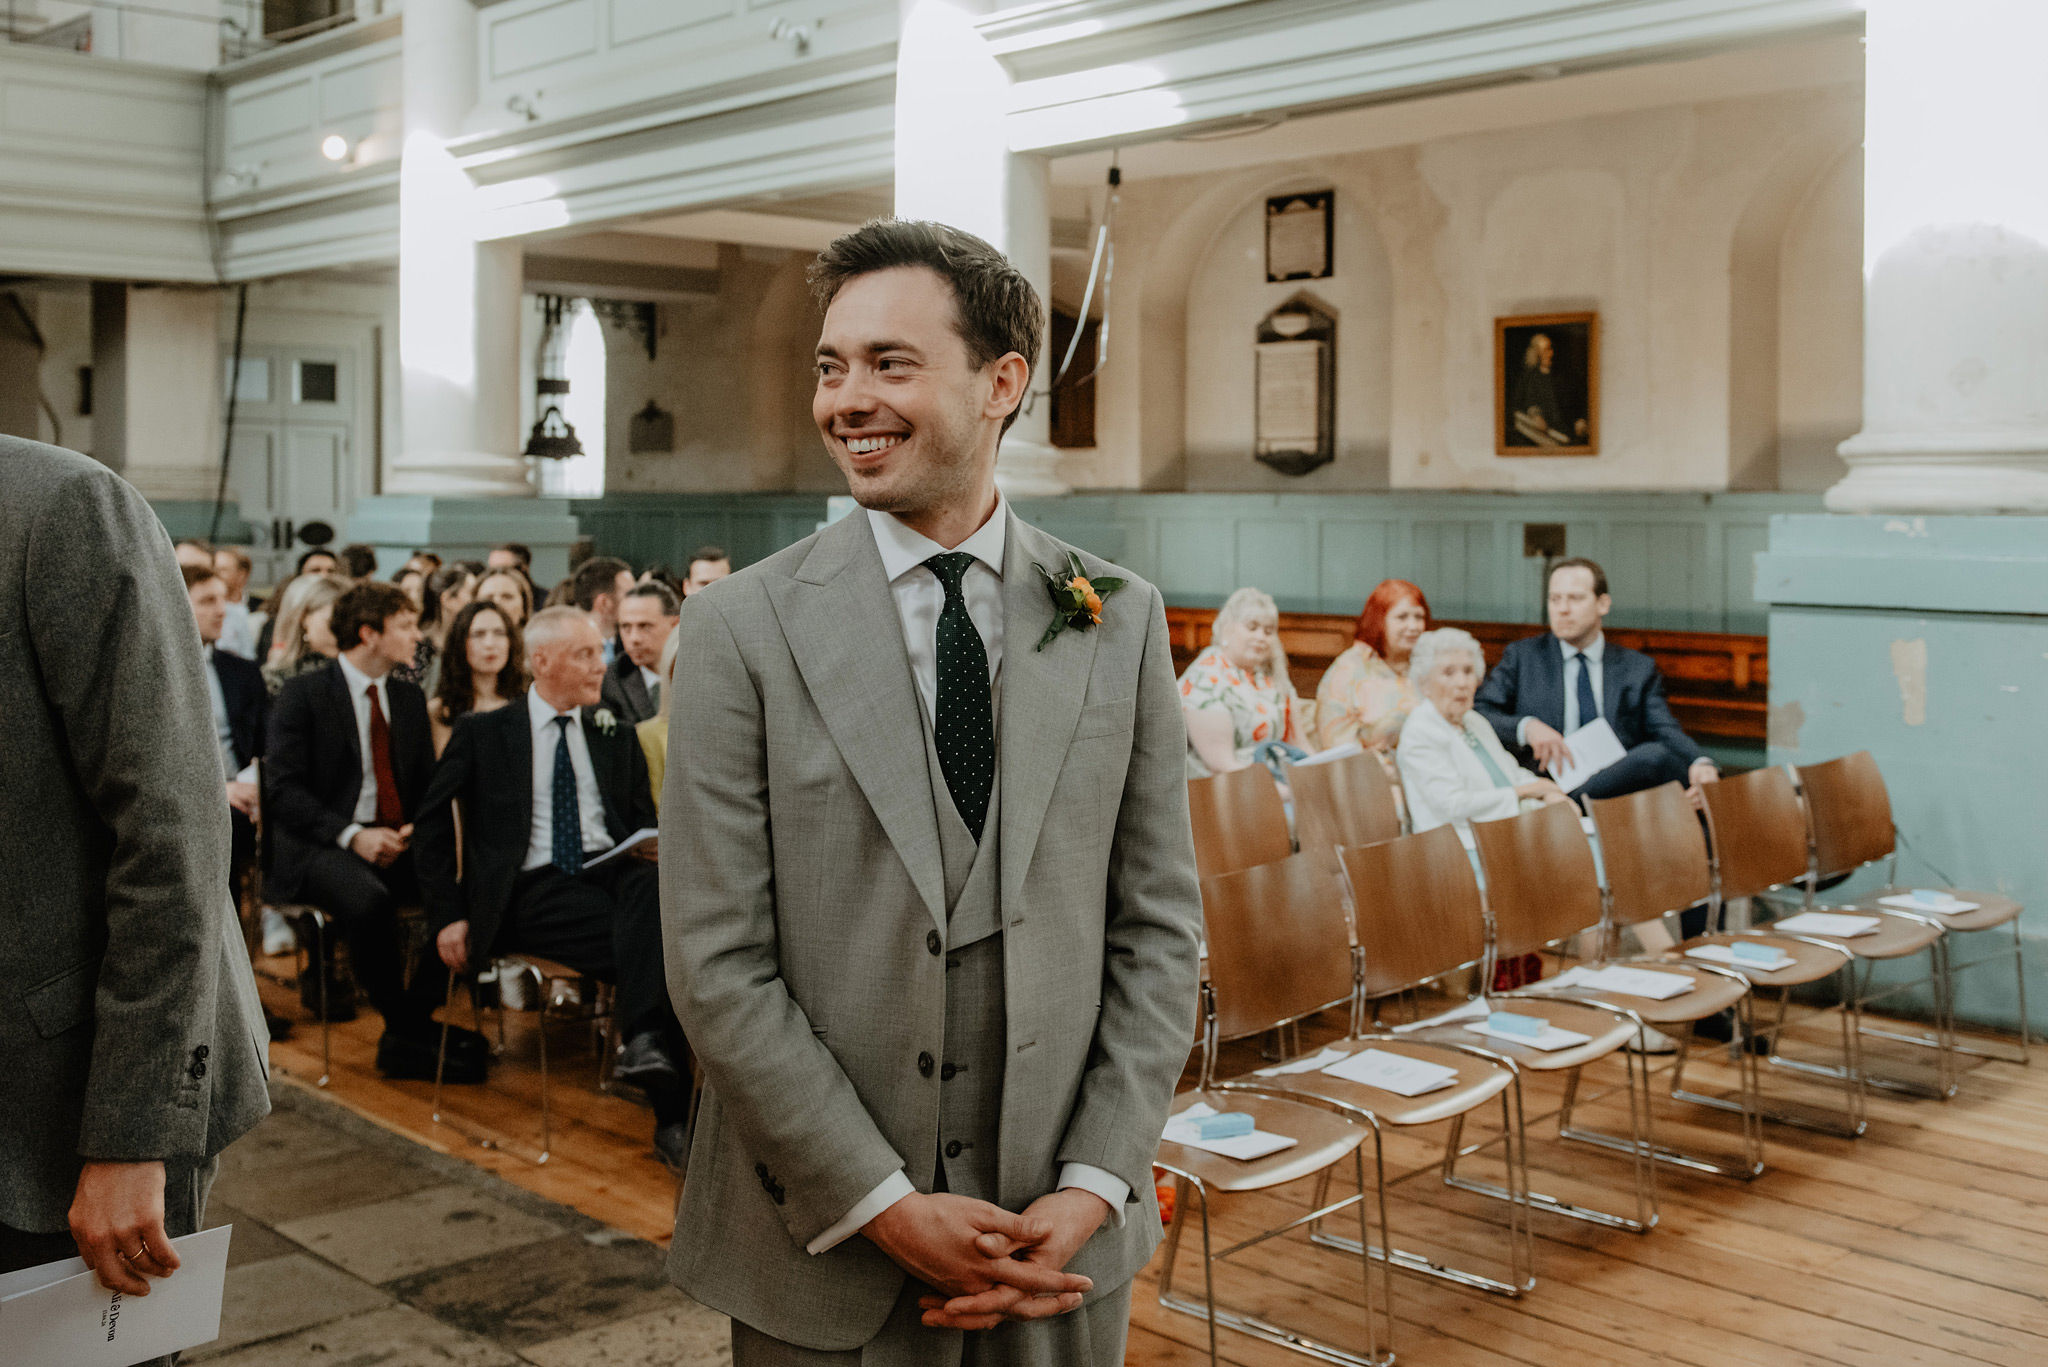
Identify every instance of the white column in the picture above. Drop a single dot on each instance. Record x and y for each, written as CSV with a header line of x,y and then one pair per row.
x,y
954,165
458,298
1955,332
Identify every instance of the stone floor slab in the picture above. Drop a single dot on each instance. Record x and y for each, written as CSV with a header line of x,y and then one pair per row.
x,y
253,1241
395,1337
544,1291
319,1186
430,1228
685,1335
287,1137
281,1296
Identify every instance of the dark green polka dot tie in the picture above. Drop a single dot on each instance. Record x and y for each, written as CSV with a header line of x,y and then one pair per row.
x,y
964,727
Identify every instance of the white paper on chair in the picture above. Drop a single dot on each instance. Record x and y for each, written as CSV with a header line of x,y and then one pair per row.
x,y
1827,923
1396,1073
1180,1129
1632,982
1722,954
1923,899
1594,746
59,1312
630,843
1313,1063
1550,1041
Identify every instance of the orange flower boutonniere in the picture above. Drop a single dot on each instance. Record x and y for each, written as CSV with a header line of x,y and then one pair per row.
x,y
1076,599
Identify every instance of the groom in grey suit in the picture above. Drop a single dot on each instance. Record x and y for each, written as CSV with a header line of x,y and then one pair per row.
x,y
927,880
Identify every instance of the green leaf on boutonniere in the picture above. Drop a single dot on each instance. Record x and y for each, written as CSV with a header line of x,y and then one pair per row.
x,y
1076,599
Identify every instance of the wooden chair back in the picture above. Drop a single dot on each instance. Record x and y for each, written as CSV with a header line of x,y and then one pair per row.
x,y
1279,944
1850,811
1415,903
1348,801
1541,882
1655,851
1239,821
1758,827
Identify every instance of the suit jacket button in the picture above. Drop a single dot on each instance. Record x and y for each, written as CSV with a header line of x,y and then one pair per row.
x,y
953,1149
198,1070
924,1065
202,1052
946,1073
776,1193
931,941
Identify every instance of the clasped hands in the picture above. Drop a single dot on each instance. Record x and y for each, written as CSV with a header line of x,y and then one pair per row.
x,y
381,845
986,1264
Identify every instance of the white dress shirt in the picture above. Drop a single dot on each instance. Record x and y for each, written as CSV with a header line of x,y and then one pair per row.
x,y
540,843
238,632
1596,657
653,682
222,731
919,600
359,686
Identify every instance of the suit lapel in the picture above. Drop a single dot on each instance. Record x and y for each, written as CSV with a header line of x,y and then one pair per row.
x,y
519,754
604,765
1043,691
840,621
1552,656
1610,683
345,709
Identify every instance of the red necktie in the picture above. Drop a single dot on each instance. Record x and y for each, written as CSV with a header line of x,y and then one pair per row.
x,y
390,812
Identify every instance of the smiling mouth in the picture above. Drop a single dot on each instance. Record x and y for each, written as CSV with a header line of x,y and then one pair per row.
x,y
869,446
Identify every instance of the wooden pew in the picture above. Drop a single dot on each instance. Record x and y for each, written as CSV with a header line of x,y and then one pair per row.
x,y
1718,683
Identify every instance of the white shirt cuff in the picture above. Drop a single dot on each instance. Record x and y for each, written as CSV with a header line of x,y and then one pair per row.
x,y
1522,730
248,774
894,1188
1111,1188
348,833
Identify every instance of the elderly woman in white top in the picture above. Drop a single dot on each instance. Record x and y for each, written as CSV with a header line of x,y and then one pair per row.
x,y
1453,767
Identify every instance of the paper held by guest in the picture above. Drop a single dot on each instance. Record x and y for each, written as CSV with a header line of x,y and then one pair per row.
x,y
59,1312
626,846
1594,746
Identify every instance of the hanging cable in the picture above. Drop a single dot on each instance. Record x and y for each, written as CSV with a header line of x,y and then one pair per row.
x,y
227,439
1101,270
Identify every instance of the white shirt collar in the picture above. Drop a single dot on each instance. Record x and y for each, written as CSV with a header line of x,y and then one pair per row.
x,y
358,682
904,549
1594,651
542,713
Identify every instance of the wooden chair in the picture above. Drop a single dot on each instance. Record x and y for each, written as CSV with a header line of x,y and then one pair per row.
x,y
1239,820
1542,888
1851,816
1348,801
1272,962
1280,950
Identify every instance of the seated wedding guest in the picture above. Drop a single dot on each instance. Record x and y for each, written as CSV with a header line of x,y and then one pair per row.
x,y
513,555
448,591
318,560
708,565
1242,676
359,561
598,586
315,561
510,590
483,669
305,629
240,707
654,731
633,682
414,582
348,761
546,788
1454,769
193,553
424,562
1367,693
239,627
1546,687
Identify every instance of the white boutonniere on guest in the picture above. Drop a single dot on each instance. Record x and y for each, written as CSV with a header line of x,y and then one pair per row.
x,y
606,722
1076,599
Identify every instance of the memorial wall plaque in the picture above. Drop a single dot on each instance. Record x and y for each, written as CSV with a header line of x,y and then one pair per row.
x,y
1295,371
1298,236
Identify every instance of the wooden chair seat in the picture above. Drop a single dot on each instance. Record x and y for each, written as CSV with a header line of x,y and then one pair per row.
x,y
1895,938
1993,909
1320,1139
1604,1032
1478,1081
1810,962
1711,993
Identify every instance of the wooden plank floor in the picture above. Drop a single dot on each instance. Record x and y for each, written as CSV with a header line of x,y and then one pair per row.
x,y
1924,1243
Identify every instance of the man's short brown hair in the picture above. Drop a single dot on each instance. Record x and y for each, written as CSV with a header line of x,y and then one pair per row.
x,y
368,605
996,311
594,577
195,575
1579,562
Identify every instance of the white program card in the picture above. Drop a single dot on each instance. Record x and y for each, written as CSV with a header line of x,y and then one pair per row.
x,y
1245,1147
58,1313
1550,1041
626,846
1922,900
1396,1073
1594,746
1313,1063
1827,923
1638,982
1722,954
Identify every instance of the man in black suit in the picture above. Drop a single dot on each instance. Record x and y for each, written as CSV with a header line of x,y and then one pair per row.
x,y
1548,686
240,707
547,786
350,754
633,683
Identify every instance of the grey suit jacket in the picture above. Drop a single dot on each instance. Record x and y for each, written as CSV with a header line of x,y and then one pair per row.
x,y
804,914
128,1014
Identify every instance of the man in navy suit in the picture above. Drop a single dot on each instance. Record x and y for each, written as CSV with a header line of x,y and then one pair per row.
x,y
1546,687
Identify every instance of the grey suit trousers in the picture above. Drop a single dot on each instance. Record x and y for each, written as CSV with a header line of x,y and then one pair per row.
x,y
1092,1336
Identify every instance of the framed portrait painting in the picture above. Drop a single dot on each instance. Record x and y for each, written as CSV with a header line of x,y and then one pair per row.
x,y
1546,385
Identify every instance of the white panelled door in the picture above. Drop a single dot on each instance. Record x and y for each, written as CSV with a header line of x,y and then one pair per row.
x,y
293,460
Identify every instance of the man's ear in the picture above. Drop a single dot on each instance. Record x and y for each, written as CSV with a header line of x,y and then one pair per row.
x,y
1604,603
1009,377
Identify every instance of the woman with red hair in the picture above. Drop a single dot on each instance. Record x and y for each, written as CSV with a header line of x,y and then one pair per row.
x,y
1366,695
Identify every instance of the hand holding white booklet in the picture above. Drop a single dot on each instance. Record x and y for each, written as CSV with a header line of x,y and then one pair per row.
x,y
1594,746
626,846
1181,1129
1396,1073
1827,923
59,1312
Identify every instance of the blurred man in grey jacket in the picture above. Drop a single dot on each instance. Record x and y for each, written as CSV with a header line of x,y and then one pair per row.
x,y
128,1014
